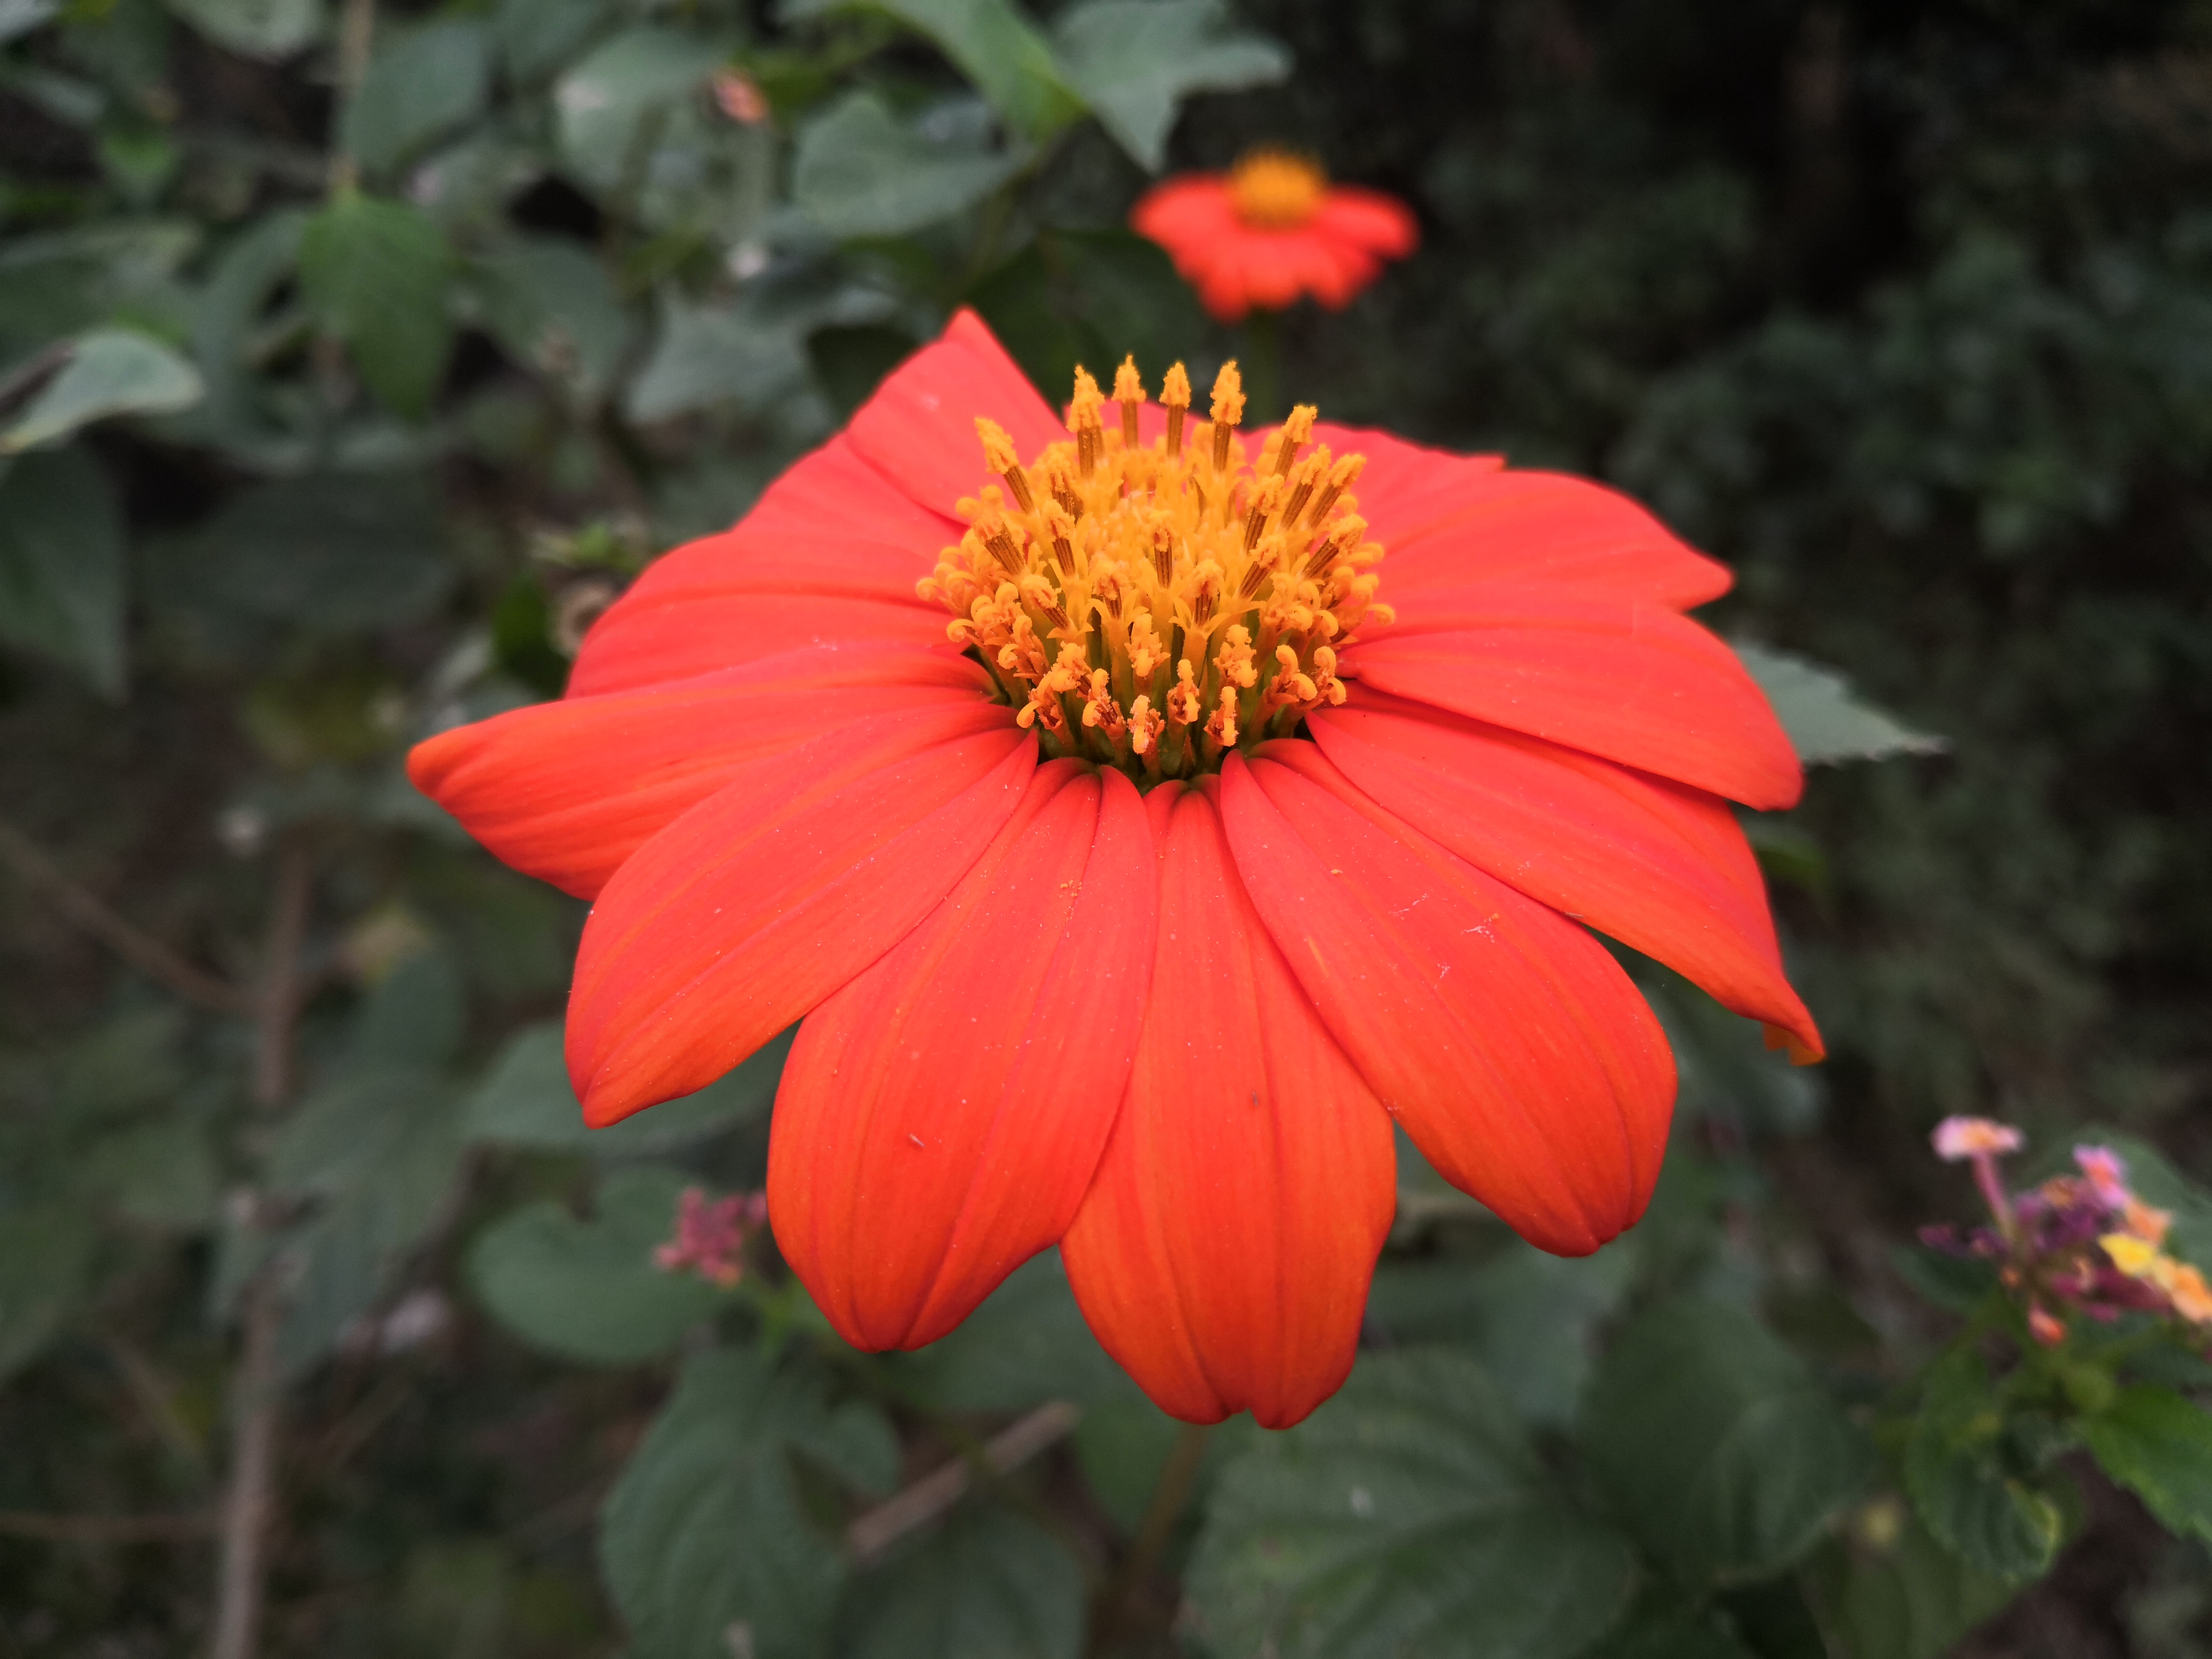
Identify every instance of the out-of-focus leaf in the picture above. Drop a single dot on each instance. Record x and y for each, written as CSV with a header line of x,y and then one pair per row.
x,y
46,1254
589,1289
606,102
1724,1068
1890,1591
1027,1343
111,371
1409,1515
549,302
337,553
419,85
159,1174
1531,1318
861,171
2159,1445
709,355
1120,1445
255,28
1682,1636
376,273
526,1100
21,16
537,36
1001,51
988,1584
851,362
1965,1494
414,1015
704,1541
2155,1180
1135,61
1715,1445
1825,720
61,564
1089,297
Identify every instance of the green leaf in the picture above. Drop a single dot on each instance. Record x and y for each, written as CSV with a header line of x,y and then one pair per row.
x,y
418,86
709,355
62,564
412,1016
159,1174
549,305
1891,1591
1135,61
1001,51
20,18
526,1100
608,104
1681,1636
1409,1515
588,1289
1089,296
2159,1446
1027,1343
1714,1444
860,172
111,371
375,273
704,1541
537,36
335,553
1961,1485
988,1584
1826,722
46,1257
255,28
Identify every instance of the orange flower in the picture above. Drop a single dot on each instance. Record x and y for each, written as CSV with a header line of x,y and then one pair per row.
x,y
1271,229
1137,843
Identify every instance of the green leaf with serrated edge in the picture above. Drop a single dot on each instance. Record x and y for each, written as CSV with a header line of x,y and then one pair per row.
x,y
1887,1589
62,564
986,1584
861,171
375,273
1826,722
587,1288
2159,1446
1954,1468
332,553
419,85
1001,51
607,103
526,1100
1715,1445
705,1531
255,28
1135,61
110,371
1409,1514
46,1258
1026,1343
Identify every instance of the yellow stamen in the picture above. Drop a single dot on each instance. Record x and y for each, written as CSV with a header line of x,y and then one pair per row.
x,y
1083,421
1175,397
1228,411
1129,392
1275,190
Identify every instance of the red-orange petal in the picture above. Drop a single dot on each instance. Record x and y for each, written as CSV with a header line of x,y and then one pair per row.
x,y
831,552
1224,1252
1633,681
1505,1039
918,430
749,910
567,791
1663,868
940,1117
1370,219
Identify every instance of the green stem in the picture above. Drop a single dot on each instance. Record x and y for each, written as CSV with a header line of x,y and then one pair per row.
x,y
1171,1494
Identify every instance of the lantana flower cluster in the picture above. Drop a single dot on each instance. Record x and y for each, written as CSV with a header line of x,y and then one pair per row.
x,y
711,1234
2076,1245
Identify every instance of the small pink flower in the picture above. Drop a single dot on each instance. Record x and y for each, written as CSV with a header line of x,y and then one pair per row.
x,y
2107,1173
2045,1326
710,1236
739,97
1957,1138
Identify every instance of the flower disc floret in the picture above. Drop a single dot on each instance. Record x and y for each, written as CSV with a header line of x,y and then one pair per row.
x,y
1158,604
1276,190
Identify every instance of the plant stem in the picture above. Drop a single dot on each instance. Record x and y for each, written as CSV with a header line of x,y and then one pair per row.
x,y
356,31
922,1502
1171,1492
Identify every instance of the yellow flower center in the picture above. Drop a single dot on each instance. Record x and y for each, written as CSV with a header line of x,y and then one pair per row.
x,y
1153,606
1276,190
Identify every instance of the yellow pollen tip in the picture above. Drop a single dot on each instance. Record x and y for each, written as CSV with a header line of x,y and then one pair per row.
x,y
1083,406
1175,389
998,451
1228,395
1276,190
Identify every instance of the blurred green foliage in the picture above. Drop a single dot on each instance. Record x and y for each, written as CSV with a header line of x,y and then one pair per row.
x,y
351,355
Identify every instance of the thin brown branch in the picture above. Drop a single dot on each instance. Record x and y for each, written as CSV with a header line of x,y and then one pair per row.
x,y
277,1002
141,950
106,1528
918,1504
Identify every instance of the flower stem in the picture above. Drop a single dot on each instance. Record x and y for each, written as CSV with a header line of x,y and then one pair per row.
x,y
1171,1494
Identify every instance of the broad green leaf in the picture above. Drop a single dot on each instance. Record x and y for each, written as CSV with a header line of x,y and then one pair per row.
x,y
2159,1445
1683,1637
1888,1590
1715,1445
375,273
255,28
419,85
335,553
412,1016
704,1541
1089,297
162,1174
1001,51
1025,1345
62,564
1530,1317
549,303
111,371
988,1584
526,1100
1409,1514
1120,1445
861,171
1826,722
1135,61
707,355
537,36
45,1256
588,1288
610,103
1962,1484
